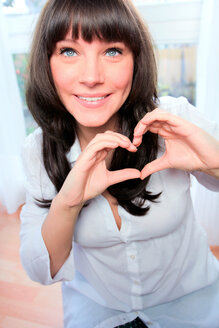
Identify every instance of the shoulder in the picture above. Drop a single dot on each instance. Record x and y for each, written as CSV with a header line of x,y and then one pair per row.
x,y
181,107
38,183
178,106
33,142
32,150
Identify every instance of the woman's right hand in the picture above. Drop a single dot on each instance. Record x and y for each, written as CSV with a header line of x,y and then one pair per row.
x,y
90,177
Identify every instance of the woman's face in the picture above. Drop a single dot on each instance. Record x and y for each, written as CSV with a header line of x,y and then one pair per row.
x,y
93,79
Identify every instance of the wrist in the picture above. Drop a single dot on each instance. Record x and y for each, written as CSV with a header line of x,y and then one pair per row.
x,y
59,203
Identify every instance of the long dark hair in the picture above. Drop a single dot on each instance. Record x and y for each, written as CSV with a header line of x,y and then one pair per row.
x,y
114,20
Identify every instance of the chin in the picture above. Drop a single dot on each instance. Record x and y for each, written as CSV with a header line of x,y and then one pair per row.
x,y
95,123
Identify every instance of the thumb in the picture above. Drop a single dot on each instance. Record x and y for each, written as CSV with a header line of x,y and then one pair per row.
x,y
123,175
154,166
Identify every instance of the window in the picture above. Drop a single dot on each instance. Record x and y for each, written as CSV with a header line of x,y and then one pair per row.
x,y
177,70
22,6
175,26
21,16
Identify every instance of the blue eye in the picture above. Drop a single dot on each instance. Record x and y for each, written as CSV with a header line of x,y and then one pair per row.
x,y
113,52
68,52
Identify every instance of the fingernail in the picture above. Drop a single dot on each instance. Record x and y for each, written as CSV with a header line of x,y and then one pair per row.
x,y
133,147
137,143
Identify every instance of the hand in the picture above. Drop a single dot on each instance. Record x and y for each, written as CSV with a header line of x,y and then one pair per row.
x,y
188,147
90,177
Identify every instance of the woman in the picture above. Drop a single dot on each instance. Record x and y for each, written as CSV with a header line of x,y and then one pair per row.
x,y
108,209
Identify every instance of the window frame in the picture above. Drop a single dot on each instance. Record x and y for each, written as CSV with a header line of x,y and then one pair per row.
x,y
173,22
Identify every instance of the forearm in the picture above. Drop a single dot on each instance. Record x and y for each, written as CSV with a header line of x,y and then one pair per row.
x,y
57,232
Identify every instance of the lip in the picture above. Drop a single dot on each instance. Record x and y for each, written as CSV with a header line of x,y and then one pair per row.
x,y
91,95
92,104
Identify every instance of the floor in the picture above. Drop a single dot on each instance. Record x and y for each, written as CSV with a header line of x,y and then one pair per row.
x,y
23,303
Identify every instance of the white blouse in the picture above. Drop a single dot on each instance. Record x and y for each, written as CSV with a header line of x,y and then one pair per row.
x,y
152,260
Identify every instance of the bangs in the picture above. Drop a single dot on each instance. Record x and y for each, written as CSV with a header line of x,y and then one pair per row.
x,y
108,20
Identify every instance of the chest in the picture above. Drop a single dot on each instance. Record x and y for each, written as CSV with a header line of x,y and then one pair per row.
x,y
103,223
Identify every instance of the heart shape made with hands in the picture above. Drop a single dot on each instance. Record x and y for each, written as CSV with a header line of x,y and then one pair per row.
x,y
176,133
187,147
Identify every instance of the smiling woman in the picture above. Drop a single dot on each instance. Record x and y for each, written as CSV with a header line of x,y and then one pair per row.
x,y
89,35
108,172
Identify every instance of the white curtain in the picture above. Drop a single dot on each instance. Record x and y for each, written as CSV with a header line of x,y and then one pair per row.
x,y
206,202
12,128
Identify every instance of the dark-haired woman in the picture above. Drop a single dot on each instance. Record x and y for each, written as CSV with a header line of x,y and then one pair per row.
x,y
108,209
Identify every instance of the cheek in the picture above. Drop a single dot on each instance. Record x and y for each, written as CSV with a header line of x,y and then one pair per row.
x,y
62,80
61,77
122,78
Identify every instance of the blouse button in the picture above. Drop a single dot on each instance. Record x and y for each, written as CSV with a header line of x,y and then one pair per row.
x,y
132,257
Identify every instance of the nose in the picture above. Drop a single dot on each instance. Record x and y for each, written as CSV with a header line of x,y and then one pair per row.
x,y
92,72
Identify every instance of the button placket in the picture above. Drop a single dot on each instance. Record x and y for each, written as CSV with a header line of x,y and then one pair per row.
x,y
133,271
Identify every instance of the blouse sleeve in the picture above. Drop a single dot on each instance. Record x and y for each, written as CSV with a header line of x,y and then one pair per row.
x,y
181,107
33,251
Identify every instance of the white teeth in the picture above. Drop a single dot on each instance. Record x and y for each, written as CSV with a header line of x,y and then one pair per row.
x,y
91,98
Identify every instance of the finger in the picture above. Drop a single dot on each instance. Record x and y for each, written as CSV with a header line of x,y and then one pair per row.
x,y
114,140
163,129
117,135
157,115
122,140
89,156
137,141
154,128
123,175
154,166
161,116
140,128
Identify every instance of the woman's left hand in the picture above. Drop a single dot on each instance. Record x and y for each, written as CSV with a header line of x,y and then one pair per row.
x,y
188,147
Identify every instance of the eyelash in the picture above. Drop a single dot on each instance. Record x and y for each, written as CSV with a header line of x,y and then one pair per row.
x,y
119,51
65,50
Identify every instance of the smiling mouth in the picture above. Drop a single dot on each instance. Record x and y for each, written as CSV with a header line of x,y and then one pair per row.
x,y
92,99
